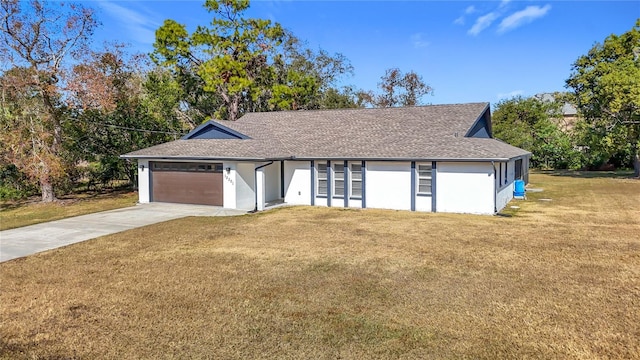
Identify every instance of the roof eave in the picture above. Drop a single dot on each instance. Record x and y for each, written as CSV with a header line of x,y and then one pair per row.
x,y
294,158
202,158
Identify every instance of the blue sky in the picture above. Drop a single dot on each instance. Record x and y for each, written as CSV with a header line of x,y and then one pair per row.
x,y
468,51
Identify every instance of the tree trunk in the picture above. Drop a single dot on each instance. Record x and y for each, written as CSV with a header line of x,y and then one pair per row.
x,y
635,152
46,187
234,106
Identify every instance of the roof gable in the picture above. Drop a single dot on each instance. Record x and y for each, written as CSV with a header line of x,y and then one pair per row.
x,y
214,130
482,127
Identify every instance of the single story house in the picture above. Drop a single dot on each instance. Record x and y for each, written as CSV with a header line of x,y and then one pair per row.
x,y
436,158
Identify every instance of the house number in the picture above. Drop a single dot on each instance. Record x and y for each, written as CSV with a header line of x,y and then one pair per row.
x,y
228,178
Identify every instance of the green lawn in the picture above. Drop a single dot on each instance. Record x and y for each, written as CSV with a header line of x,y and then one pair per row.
x,y
560,278
17,214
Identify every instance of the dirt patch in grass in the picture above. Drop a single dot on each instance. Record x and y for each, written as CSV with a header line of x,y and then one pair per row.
x,y
29,212
558,279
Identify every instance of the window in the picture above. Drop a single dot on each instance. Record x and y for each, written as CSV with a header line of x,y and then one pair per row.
x,y
424,179
177,166
356,180
518,169
506,166
322,179
338,180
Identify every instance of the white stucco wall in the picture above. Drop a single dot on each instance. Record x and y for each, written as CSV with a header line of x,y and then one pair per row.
x,y
229,185
465,187
272,181
504,193
388,185
423,203
245,199
143,181
297,182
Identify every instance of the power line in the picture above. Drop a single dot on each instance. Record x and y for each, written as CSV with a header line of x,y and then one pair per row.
x,y
140,130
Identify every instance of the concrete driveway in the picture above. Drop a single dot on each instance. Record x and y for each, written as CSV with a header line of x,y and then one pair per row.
x,y
33,239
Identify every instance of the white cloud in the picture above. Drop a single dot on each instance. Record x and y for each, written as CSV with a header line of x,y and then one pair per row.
x,y
510,94
141,27
469,10
418,41
504,3
482,23
523,17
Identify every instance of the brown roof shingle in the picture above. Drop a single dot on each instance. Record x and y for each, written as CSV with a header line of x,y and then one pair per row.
x,y
421,133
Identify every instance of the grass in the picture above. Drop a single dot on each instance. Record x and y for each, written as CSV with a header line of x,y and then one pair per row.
x,y
23,213
557,279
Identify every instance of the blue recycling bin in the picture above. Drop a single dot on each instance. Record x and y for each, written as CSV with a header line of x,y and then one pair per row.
x,y
519,190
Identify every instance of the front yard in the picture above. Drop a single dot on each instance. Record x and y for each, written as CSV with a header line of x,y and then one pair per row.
x,y
23,213
558,279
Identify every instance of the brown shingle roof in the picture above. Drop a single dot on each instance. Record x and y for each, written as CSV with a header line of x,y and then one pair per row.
x,y
427,133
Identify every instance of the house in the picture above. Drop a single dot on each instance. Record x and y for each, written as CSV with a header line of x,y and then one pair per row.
x,y
569,112
437,158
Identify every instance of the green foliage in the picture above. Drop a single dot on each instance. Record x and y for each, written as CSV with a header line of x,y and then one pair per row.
x,y
606,88
237,65
140,112
228,57
298,89
14,184
343,98
528,123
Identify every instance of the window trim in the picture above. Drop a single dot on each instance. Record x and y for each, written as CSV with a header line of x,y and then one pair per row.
x,y
424,177
352,180
518,169
334,178
319,177
159,166
506,173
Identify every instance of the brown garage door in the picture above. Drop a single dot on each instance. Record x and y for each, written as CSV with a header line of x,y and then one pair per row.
x,y
186,183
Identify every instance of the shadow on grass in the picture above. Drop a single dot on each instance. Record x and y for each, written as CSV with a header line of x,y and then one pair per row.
x,y
505,214
618,174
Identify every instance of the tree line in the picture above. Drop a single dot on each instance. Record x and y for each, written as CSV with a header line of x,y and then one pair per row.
x,y
68,110
604,86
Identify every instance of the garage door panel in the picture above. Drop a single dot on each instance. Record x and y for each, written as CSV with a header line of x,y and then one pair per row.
x,y
188,187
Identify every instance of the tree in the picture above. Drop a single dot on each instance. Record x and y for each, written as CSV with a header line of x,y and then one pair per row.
x,y
528,123
26,140
111,108
606,88
398,89
37,38
226,58
304,79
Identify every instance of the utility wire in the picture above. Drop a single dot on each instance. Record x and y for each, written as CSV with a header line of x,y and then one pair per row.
x,y
140,130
